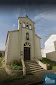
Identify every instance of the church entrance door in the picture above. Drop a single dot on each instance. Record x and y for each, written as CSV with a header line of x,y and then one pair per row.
x,y
26,53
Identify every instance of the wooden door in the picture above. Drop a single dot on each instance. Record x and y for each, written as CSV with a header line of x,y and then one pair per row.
x,y
26,53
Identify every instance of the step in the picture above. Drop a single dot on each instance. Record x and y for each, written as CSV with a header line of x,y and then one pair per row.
x,y
35,71
34,68
30,61
30,65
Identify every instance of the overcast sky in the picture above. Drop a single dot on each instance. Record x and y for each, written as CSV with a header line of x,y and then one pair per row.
x,y
44,17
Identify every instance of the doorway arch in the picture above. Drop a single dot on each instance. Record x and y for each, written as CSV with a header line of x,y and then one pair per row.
x,y
27,51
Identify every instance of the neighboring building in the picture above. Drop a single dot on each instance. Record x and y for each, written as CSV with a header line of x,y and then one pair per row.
x,y
50,47
43,53
49,44
23,43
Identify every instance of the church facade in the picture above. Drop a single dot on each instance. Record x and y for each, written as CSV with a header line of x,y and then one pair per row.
x,y
23,43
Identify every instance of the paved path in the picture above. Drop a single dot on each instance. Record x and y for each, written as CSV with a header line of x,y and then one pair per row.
x,y
37,79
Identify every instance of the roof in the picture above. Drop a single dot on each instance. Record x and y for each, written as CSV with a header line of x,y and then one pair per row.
x,y
38,36
50,36
8,33
26,17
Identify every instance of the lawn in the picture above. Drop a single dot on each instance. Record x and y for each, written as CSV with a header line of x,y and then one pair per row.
x,y
47,61
1,58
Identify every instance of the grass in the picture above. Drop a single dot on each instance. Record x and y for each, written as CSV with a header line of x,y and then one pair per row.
x,y
1,58
5,78
54,67
16,67
11,79
47,61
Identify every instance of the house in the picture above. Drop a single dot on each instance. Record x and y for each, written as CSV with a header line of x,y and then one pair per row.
x,y
23,43
43,52
50,47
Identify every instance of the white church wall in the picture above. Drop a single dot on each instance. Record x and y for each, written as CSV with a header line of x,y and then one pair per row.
x,y
24,30
37,48
13,49
6,49
31,41
17,39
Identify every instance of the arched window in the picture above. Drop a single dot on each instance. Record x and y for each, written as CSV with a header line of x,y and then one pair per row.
x,y
27,44
29,26
27,36
23,24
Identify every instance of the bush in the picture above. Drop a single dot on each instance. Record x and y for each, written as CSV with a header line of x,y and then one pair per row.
x,y
15,62
16,65
0,54
1,58
47,61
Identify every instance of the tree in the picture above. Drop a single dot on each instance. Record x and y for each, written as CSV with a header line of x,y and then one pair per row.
x,y
0,54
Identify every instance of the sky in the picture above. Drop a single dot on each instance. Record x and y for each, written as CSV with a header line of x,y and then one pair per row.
x,y
44,17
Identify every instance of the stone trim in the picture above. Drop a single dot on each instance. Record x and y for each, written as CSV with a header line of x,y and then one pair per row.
x,y
13,72
24,67
44,66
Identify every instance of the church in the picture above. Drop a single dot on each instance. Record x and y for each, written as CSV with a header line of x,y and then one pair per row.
x,y
23,43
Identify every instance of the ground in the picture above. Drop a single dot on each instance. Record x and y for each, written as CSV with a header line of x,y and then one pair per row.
x,y
5,79
36,79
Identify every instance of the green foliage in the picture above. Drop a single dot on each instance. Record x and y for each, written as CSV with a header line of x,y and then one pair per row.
x,y
8,80
47,61
15,67
15,62
54,67
1,58
0,54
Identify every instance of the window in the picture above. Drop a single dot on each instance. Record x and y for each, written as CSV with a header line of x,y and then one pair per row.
x,y
27,36
26,25
23,24
29,26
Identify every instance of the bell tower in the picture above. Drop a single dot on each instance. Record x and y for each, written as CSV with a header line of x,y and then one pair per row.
x,y
25,22
27,36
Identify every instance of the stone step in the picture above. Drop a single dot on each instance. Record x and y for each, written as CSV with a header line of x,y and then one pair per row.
x,y
34,71
32,64
33,68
